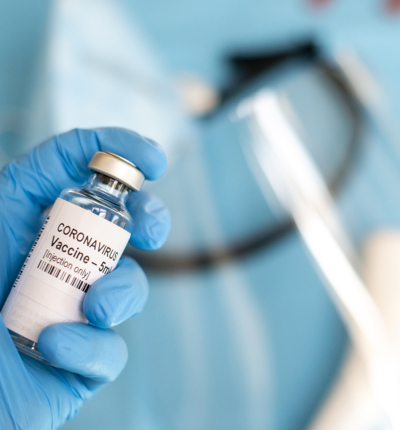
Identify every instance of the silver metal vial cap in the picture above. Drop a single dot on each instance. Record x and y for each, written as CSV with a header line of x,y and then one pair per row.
x,y
117,168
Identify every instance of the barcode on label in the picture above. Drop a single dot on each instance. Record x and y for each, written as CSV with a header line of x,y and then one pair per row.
x,y
30,252
63,276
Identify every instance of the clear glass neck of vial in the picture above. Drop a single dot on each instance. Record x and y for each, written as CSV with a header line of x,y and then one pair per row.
x,y
108,187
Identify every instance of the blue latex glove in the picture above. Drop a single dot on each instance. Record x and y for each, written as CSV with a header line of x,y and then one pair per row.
x,y
34,395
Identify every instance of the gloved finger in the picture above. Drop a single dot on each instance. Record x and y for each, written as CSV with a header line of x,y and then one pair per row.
x,y
92,352
152,221
116,297
38,177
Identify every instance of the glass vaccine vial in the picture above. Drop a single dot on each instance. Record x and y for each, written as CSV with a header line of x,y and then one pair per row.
x,y
81,240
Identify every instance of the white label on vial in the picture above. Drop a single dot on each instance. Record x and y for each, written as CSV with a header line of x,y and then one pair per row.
x,y
73,249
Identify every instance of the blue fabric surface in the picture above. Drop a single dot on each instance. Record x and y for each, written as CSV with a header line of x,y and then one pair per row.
x,y
23,31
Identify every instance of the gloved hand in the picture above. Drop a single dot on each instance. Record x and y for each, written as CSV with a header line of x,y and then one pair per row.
x,y
34,395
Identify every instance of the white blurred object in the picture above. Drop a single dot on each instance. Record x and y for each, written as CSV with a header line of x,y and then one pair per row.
x,y
350,405
351,399
359,76
198,95
382,275
99,71
301,190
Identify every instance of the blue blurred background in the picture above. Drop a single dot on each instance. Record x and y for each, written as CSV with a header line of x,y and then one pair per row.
x,y
252,342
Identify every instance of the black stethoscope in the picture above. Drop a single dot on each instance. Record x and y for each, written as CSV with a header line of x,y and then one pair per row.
x,y
250,72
